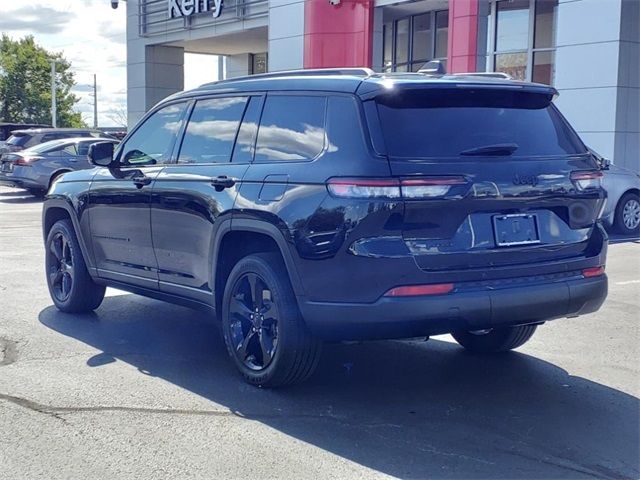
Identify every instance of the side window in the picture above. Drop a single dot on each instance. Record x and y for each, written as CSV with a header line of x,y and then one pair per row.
x,y
245,143
291,128
153,141
70,150
211,130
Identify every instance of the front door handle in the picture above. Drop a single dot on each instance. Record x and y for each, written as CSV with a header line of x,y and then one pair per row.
x,y
222,181
141,180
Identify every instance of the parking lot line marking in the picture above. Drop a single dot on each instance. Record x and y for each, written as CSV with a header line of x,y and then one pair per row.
x,y
628,282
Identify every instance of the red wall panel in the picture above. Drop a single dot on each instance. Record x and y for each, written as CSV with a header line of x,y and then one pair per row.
x,y
463,36
338,35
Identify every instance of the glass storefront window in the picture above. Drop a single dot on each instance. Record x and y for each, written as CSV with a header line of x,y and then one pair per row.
x,y
442,33
512,25
514,64
545,26
387,38
410,42
259,63
422,37
543,67
524,39
402,41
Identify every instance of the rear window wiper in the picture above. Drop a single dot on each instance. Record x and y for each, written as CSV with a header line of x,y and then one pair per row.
x,y
496,149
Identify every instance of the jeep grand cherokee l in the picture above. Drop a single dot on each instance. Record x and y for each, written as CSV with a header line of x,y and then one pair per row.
x,y
339,205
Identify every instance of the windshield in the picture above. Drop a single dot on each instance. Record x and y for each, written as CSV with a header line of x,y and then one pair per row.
x,y
18,139
454,123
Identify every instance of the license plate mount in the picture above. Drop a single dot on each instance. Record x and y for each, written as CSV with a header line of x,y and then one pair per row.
x,y
516,229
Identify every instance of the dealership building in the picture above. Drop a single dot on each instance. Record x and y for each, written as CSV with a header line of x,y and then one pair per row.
x,y
589,50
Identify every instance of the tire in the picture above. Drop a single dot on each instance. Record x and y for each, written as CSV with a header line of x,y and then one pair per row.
x,y
273,349
496,340
71,287
627,217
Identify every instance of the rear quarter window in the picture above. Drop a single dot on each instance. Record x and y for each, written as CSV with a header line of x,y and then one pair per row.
x,y
292,128
444,123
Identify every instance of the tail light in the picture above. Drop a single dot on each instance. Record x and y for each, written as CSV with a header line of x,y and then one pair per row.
x,y
587,180
364,187
419,290
412,188
429,187
25,161
593,272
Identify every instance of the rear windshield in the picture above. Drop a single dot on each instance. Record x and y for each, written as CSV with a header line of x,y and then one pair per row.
x,y
19,139
453,123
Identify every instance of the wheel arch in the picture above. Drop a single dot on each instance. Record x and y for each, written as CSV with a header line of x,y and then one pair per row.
x,y
244,237
56,209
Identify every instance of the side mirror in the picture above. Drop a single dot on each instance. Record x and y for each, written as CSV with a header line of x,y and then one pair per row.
x,y
101,154
606,164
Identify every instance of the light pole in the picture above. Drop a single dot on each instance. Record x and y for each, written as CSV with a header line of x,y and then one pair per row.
x,y
95,102
54,113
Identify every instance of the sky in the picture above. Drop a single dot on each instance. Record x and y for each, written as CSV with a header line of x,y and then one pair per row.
x,y
92,36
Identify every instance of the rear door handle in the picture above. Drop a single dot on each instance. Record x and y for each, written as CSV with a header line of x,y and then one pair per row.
x,y
222,181
141,181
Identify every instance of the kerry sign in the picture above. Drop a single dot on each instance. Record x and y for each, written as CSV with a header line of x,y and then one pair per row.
x,y
186,8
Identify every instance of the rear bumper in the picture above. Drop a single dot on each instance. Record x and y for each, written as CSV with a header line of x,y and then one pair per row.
x,y
465,310
21,182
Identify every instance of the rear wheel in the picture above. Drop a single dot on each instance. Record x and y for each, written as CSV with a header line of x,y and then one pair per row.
x,y
71,287
627,218
495,340
263,330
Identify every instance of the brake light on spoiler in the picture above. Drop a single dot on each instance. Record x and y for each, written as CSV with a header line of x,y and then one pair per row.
x,y
411,188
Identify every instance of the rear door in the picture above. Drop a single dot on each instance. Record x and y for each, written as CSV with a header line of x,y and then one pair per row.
x,y
488,176
192,197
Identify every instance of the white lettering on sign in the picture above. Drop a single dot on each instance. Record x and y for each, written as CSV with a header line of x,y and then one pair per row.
x,y
185,8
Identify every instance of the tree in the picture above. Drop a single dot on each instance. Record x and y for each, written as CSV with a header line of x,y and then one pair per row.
x,y
118,116
25,84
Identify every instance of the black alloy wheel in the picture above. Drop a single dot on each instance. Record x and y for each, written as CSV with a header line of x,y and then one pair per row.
x,y
253,322
70,285
265,335
60,267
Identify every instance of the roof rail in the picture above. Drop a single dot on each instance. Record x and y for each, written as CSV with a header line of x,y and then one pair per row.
x,y
502,75
357,72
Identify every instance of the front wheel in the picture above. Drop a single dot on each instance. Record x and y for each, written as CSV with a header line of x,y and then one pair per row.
x,y
71,287
495,340
263,330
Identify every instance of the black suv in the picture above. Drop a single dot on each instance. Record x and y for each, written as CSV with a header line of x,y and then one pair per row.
x,y
340,205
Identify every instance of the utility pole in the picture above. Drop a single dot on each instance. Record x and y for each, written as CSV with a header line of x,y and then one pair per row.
x,y
54,112
95,102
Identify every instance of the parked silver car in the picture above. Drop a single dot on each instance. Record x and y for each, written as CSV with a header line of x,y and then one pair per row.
x,y
622,211
28,138
36,168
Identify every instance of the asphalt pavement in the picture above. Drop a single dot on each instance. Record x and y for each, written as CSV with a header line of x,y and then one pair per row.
x,y
144,389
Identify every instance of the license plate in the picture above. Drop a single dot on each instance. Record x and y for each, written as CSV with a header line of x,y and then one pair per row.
x,y
7,167
517,229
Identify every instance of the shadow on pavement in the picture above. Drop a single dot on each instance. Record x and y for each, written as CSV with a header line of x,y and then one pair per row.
x,y
408,409
19,197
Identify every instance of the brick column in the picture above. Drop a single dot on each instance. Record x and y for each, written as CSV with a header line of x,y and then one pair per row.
x,y
463,36
338,35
